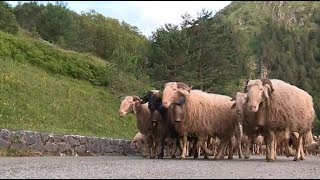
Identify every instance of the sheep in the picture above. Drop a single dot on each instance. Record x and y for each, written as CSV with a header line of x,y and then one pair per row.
x,y
138,138
163,119
206,114
132,104
312,148
259,142
247,121
167,119
283,107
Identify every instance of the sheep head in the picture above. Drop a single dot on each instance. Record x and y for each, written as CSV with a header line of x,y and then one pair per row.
x,y
173,91
127,105
241,100
258,91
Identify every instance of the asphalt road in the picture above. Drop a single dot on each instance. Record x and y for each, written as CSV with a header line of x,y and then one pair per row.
x,y
138,167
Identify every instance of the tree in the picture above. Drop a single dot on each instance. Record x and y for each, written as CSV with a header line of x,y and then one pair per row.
x,y
28,15
168,56
8,21
55,23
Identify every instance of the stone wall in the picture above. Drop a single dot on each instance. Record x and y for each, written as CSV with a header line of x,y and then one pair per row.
x,y
70,145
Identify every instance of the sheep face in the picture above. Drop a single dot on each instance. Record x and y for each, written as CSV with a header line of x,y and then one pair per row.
x,y
173,91
257,92
127,105
154,100
240,102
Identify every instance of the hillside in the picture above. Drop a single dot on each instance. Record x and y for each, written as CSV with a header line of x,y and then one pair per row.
x,y
250,20
245,40
47,89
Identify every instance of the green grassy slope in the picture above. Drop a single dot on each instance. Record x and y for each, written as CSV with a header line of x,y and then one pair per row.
x,y
46,89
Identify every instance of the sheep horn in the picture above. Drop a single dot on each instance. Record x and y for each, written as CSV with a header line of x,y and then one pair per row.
x,y
182,86
245,88
267,81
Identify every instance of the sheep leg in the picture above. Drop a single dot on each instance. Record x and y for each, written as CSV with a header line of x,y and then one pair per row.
x,y
145,150
153,150
239,148
194,150
271,144
176,148
298,149
184,145
203,145
302,157
247,148
230,154
275,147
253,148
161,153
238,136
221,149
206,156
147,146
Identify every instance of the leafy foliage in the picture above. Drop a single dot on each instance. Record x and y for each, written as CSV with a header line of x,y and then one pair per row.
x,y
8,21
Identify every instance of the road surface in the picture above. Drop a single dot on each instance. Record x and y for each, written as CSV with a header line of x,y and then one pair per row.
x,y
138,167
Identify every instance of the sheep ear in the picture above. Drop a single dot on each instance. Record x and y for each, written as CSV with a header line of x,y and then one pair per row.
x,y
146,98
136,98
137,103
233,106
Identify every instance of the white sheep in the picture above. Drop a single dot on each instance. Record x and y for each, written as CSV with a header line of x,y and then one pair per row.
x,y
206,114
284,107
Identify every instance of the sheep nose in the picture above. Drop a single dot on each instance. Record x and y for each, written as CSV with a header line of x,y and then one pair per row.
x,y
121,114
238,111
251,107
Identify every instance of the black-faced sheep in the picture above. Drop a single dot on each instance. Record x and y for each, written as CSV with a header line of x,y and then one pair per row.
x,y
163,120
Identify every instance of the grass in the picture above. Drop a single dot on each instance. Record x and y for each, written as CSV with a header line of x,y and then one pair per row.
x,y
40,93
32,99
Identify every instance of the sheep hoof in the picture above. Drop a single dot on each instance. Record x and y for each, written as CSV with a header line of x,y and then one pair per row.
x,y
271,160
206,157
296,159
183,158
173,157
246,157
230,157
302,158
